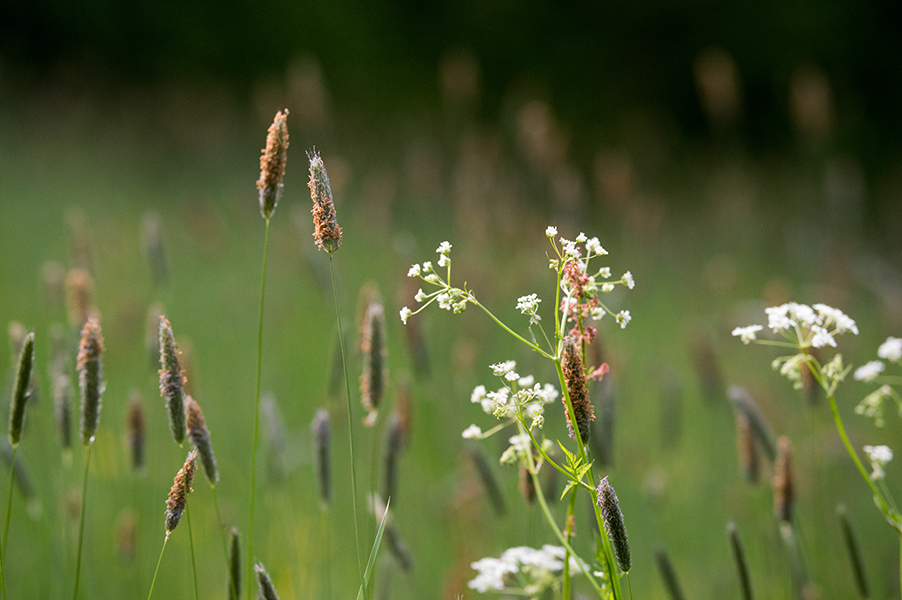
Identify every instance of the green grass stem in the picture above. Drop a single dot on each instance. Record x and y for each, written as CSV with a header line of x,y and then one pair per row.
x,y
191,543
344,362
81,524
9,506
157,570
250,527
225,545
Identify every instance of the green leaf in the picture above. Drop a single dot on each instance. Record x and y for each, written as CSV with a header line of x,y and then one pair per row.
x,y
571,459
582,471
567,488
372,560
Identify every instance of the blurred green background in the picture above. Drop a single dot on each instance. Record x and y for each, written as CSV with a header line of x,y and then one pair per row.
x,y
730,156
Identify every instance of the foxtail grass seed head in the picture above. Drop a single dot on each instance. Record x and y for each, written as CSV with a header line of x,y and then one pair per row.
x,y
90,378
326,231
200,437
172,381
373,379
62,408
272,164
745,445
613,524
178,495
575,377
276,436
267,591
79,296
745,582
668,574
234,582
322,436
136,430
21,389
394,443
53,277
784,490
760,427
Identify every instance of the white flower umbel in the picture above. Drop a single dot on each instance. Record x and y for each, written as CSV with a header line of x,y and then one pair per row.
x,y
473,432
623,318
891,349
869,371
872,404
529,305
879,457
522,571
747,334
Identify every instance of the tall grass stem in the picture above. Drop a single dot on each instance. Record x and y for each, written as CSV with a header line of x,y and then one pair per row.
x,y
157,570
9,504
250,527
81,524
225,545
191,543
344,362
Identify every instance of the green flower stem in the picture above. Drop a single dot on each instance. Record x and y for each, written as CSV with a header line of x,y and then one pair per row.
x,y
81,525
191,543
568,534
557,531
549,461
344,363
533,346
250,527
9,505
157,570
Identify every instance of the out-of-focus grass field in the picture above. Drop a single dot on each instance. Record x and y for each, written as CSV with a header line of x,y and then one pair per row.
x,y
712,235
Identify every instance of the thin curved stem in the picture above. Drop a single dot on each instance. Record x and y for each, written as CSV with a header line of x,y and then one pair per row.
x,y
533,346
191,543
344,363
157,570
250,535
568,533
81,525
225,545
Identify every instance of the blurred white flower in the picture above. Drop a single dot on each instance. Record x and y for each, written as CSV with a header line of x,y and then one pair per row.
x,y
879,457
747,334
473,432
891,349
870,371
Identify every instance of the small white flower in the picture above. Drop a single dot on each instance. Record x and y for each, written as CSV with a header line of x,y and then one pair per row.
x,y
473,432
879,456
834,370
433,279
405,314
870,371
628,280
444,248
512,376
526,382
747,334
597,313
551,231
778,317
833,317
891,349
538,420
414,271
427,266
623,317
499,369
421,295
607,288
791,368
821,337
444,261
604,272
444,300
593,247
581,238
478,394
872,404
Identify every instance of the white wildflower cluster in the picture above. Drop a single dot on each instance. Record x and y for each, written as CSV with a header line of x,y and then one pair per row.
x,y
869,372
791,368
447,297
879,457
519,398
809,326
891,350
747,334
529,305
522,571
872,404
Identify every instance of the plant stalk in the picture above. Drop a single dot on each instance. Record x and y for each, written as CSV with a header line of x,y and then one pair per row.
x,y
81,525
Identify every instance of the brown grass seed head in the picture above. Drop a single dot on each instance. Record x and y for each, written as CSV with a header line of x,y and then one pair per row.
x,y
178,495
326,231
136,429
575,377
372,346
272,164
784,489
90,378
200,437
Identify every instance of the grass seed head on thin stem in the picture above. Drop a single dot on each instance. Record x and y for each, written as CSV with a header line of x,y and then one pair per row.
x,y
136,430
172,381
322,434
272,164
200,436
178,495
234,584
613,524
21,389
784,489
373,379
90,378
745,445
267,591
575,377
326,231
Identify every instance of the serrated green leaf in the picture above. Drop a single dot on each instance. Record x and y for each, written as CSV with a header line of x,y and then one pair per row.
x,y
567,453
583,470
567,488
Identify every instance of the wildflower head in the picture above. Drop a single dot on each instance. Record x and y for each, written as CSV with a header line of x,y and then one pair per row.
x,y
272,164
326,231
891,349
870,371
178,495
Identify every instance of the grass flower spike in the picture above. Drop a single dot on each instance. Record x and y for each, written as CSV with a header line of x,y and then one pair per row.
x,y
178,495
575,376
136,430
784,489
21,390
172,381
200,437
613,523
267,591
90,379
272,164
373,379
326,231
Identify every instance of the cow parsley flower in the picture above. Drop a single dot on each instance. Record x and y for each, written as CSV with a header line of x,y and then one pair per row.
x,y
747,334
623,318
879,457
405,314
869,371
891,349
872,404
628,280
473,432
522,571
551,231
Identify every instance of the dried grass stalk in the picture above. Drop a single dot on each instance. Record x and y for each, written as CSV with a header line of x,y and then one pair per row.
x,y
200,436
21,389
172,381
272,164
613,524
575,377
90,379
326,231
178,495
